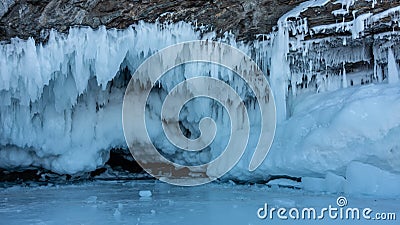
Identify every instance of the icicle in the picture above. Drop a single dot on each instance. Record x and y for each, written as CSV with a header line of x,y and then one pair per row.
x,y
393,72
280,71
344,76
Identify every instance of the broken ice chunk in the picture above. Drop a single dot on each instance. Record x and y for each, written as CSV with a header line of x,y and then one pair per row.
x,y
145,193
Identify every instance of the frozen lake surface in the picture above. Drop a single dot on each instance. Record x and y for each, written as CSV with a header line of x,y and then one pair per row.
x,y
112,202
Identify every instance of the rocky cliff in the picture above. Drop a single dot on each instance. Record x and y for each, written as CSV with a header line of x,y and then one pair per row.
x,y
244,18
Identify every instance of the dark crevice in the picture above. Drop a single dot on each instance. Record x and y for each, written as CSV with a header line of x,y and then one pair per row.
x,y
122,160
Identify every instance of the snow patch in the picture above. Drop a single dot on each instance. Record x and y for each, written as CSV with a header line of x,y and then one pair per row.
x,y
370,180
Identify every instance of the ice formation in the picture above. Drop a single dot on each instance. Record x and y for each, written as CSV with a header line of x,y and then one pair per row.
x,y
145,193
60,106
337,97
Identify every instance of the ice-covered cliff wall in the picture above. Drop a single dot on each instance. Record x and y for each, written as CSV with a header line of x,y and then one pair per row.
x,y
61,102
60,105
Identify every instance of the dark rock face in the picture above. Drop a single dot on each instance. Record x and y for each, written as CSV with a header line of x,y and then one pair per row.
x,y
323,15
245,18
